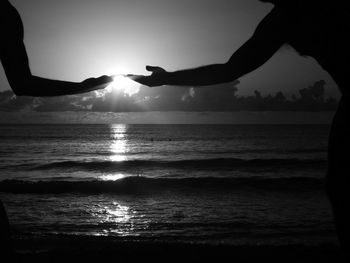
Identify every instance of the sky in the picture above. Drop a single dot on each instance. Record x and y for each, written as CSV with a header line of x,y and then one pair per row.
x,y
76,39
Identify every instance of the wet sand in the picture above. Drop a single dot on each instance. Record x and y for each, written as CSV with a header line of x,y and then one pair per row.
x,y
71,249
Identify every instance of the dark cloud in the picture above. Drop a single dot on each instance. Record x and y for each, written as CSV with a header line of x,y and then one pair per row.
x,y
215,98
9,102
66,103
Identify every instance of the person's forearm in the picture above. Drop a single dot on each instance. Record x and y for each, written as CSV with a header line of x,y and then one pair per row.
x,y
41,87
211,74
245,60
202,76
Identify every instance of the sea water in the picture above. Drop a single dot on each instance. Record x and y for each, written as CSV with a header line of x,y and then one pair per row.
x,y
231,184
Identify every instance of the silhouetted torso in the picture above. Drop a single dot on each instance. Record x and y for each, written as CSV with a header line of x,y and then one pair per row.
x,y
319,31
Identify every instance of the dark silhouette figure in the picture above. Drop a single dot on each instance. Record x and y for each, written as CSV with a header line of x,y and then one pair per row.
x,y
5,237
318,29
16,65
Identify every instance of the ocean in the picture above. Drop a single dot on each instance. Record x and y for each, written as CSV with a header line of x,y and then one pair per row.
x,y
213,184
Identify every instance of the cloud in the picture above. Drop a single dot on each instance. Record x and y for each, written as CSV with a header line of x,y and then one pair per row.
x,y
217,98
9,102
241,117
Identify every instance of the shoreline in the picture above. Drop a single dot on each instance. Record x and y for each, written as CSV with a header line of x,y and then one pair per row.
x,y
69,248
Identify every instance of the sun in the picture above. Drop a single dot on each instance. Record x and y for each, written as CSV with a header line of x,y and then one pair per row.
x,y
123,84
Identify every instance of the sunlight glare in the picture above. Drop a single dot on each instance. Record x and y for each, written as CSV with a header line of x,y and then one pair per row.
x,y
119,213
113,177
121,216
123,84
119,142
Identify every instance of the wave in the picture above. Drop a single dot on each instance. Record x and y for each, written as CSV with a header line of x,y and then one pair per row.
x,y
198,164
262,151
138,184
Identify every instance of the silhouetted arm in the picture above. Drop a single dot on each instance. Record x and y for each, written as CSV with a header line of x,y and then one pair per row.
x,y
16,65
266,40
23,83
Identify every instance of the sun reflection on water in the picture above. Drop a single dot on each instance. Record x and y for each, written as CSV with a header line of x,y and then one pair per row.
x,y
117,219
118,149
119,144
118,213
113,177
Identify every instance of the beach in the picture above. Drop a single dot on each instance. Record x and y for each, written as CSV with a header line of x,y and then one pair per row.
x,y
60,249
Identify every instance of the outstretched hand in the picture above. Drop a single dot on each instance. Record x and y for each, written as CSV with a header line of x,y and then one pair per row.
x,y
92,84
157,78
